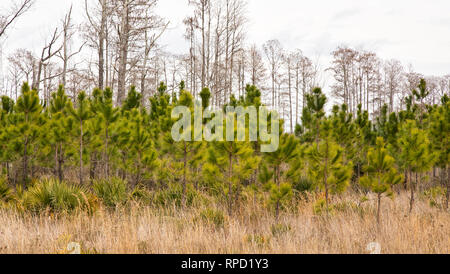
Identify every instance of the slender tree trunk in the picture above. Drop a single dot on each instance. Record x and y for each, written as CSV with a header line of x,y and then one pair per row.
x,y
60,164
25,163
123,52
93,166
379,208
81,153
290,99
230,184
55,170
184,174
8,175
106,153
411,200
203,76
405,184
325,178
277,210
101,46
296,96
138,171
448,188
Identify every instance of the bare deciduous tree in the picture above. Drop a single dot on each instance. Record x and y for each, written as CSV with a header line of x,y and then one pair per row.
x,y
256,67
48,51
17,10
274,55
393,73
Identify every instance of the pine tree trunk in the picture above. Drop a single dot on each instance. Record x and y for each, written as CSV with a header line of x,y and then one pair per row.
x,y
277,210
55,170
93,166
359,172
325,178
448,188
60,164
123,171
230,184
106,153
379,208
25,164
8,175
138,172
405,183
184,175
81,153
411,200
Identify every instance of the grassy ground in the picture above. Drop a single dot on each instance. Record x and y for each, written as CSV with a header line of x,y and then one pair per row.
x,y
252,229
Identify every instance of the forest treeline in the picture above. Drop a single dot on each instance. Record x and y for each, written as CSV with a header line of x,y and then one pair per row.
x,y
57,154
117,44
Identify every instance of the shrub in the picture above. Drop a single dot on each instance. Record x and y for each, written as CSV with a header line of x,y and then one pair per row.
x,y
112,192
56,197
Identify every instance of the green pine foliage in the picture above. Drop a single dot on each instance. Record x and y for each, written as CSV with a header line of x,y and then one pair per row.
x,y
65,155
280,189
415,154
81,113
312,115
380,172
327,167
440,140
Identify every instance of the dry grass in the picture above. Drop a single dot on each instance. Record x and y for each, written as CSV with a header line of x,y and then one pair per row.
x,y
252,230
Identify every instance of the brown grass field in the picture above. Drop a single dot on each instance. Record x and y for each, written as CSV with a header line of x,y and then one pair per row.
x,y
251,230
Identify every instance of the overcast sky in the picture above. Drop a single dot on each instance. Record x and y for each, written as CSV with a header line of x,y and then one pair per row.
x,y
412,31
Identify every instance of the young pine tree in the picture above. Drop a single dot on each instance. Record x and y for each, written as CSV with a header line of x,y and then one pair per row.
x,y
59,129
345,131
109,115
415,154
160,112
141,147
81,114
364,138
381,174
420,95
326,164
7,154
440,137
313,114
285,154
230,163
186,152
28,108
